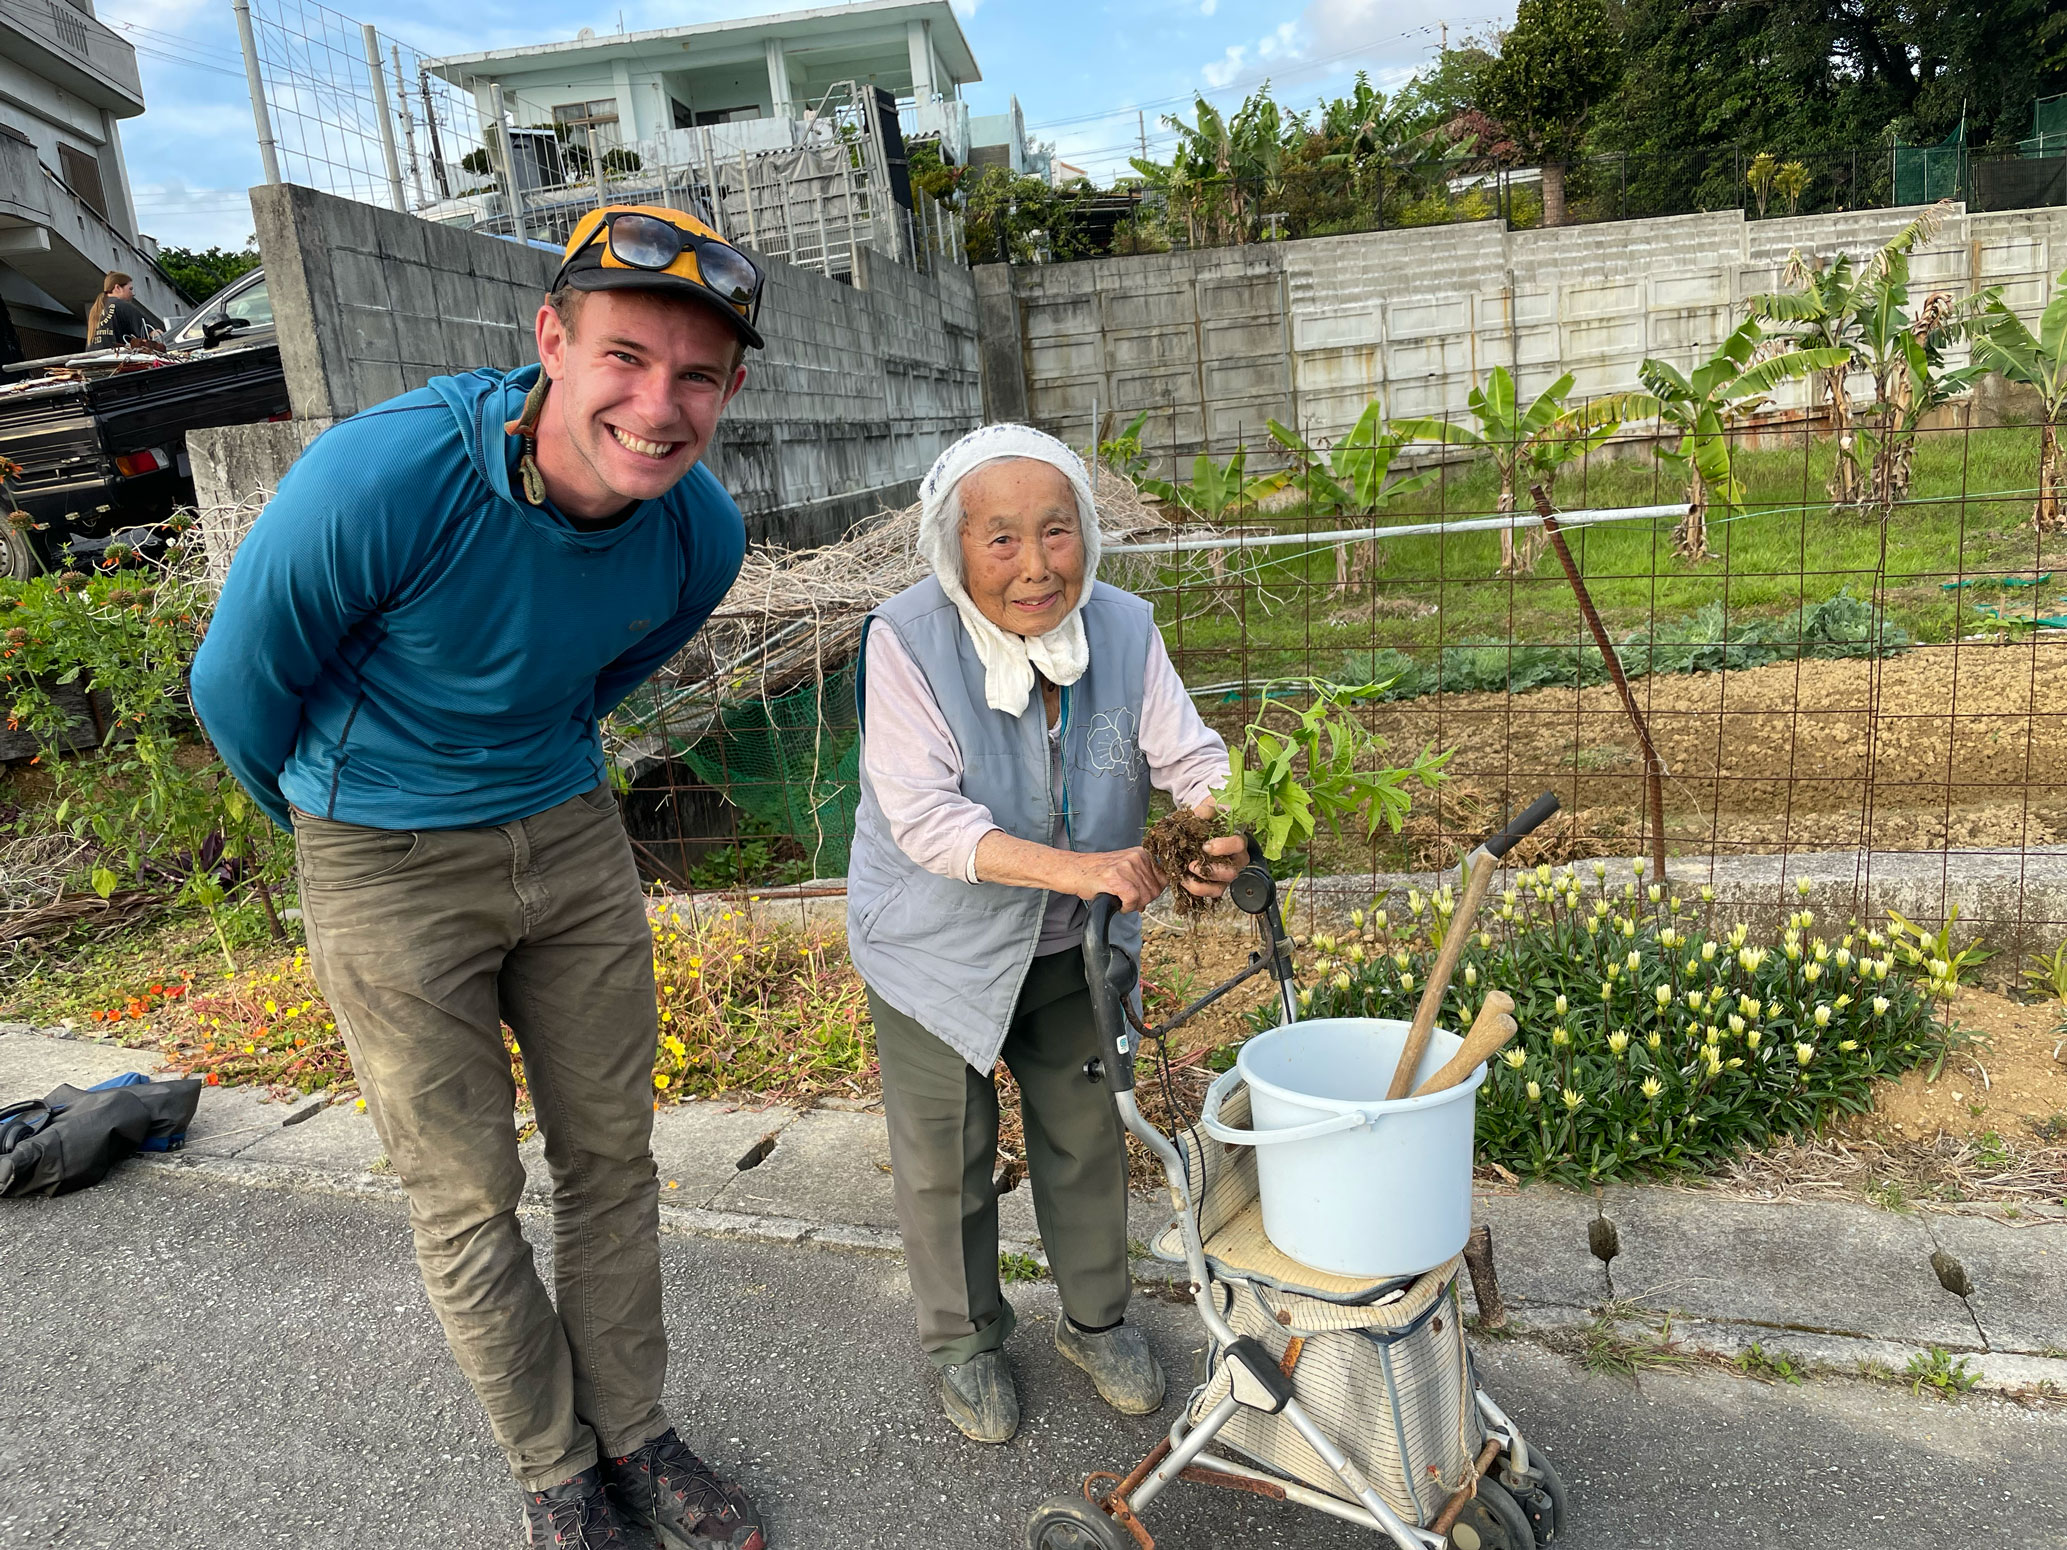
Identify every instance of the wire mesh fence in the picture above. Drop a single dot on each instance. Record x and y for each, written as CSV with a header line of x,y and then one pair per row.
x,y
358,113
1870,696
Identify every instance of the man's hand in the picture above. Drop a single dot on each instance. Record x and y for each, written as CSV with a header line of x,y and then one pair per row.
x,y
1127,874
1210,880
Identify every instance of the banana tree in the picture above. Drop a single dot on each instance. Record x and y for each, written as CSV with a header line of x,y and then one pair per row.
x,y
1829,307
1701,404
1528,446
2041,363
1214,490
1354,476
1905,357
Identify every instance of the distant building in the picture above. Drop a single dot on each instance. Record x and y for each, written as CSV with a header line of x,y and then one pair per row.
x,y
754,81
66,216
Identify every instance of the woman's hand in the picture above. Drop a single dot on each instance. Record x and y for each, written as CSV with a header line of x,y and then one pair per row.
x,y
1127,874
1210,880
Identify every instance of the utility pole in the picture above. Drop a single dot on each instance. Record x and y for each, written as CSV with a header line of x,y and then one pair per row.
x,y
1446,35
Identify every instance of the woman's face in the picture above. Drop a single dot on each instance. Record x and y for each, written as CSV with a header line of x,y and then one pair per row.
x,y
1022,544
126,292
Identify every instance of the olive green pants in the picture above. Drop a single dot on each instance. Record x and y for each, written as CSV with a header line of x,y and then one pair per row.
x,y
425,944
943,1150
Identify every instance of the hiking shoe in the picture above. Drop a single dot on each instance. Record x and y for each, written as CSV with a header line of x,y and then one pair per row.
x,y
672,1491
979,1398
1119,1362
575,1514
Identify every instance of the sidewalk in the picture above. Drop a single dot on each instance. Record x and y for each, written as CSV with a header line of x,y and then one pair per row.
x,y
1829,1285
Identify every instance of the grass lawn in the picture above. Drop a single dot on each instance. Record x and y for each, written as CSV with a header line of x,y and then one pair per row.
x,y
1969,515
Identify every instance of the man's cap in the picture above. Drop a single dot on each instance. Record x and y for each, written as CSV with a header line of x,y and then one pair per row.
x,y
589,265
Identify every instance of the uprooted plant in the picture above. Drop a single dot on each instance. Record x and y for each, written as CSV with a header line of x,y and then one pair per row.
x,y
1284,782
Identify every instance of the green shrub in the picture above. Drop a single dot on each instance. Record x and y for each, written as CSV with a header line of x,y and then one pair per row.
x,y
159,807
1648,1044
1705,641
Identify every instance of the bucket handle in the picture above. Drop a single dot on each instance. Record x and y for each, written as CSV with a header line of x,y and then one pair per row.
x,y
1209,1120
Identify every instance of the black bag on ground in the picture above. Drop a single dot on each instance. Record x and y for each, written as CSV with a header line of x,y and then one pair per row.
x,y
73,1137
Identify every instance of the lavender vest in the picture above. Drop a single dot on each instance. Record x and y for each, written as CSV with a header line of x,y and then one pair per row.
x,y
949,954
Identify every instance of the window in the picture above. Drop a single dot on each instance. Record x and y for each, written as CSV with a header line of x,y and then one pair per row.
x,y
683,118
252,306
728,115
603,110
81,170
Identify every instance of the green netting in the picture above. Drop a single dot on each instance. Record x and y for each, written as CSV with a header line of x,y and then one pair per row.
x,y
1925,174
793,764
2048,128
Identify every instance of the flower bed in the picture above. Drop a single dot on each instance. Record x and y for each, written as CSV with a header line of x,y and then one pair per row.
x,y
1649,1044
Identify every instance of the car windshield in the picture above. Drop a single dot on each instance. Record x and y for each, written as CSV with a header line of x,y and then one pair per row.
x,y
246,303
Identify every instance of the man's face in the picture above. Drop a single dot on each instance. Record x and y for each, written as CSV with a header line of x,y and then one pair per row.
x,y
638,382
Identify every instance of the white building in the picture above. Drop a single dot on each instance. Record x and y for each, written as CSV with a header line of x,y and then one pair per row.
x,y
754,81
66,216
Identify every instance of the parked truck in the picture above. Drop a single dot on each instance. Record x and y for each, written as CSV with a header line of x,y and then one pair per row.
x,y
100,438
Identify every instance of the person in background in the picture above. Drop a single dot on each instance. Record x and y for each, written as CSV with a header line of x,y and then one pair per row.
x,y
1015,713
407,668
115,318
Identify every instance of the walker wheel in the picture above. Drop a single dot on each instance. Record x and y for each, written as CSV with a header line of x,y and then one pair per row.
x,y
1071,1523
1541,1497
1491,1520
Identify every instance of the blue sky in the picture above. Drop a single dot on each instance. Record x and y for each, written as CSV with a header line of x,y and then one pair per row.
x,y
1080,69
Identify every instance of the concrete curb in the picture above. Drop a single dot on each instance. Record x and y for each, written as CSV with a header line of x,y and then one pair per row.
x,y
1831,1286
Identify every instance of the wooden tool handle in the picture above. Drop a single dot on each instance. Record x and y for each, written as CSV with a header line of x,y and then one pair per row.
x,y
1439,977
1490,1031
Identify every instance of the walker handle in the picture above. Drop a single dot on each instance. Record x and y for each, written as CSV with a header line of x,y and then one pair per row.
x,y
1111,977
1209,1120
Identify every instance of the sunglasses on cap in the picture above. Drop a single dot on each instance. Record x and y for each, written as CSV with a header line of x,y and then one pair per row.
x,y
640,241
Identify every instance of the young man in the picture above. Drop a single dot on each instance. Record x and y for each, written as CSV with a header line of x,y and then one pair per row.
x,y
407,668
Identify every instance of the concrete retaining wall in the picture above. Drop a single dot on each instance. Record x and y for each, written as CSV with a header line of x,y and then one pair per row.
x,y
1214,343
859,389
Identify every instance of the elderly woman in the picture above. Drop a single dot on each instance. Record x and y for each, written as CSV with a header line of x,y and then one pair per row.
x,y
1015,713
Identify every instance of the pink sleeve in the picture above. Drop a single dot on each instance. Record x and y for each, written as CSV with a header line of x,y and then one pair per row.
x,y
1185,756
910,760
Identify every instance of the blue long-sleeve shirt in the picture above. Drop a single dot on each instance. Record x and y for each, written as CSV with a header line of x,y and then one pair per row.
x,y
405,643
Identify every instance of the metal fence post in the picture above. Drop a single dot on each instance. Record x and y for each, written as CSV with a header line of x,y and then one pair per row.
x,y
256,83
376,75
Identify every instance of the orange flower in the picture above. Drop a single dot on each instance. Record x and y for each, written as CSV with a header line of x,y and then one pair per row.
x,y
214,1080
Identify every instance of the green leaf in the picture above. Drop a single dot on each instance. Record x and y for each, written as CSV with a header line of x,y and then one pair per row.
x,y
104,881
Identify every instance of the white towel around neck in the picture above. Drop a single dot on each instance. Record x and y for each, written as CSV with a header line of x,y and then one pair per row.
x,y
1009,661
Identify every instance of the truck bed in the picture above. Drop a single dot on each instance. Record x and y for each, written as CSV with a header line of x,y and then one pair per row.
x,y
66,432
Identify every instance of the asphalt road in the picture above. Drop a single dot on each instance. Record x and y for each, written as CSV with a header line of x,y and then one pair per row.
x,y
190,1363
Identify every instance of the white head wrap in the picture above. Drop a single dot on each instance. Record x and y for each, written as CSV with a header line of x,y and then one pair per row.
x,y
1009,660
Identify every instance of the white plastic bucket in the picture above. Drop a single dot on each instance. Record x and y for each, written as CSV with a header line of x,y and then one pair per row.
x,y
1352,1183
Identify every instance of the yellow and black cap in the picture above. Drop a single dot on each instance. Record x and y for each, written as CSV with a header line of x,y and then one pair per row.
x,y
653,248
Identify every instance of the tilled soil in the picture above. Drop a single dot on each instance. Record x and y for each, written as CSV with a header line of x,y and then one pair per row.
x,y
1955,745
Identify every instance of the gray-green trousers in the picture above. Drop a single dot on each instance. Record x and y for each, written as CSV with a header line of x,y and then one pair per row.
x,y
425,944
943,1148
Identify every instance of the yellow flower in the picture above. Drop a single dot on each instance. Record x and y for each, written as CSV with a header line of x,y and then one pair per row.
x,y
1652,1087
1341,979
1653,1040
1535,1092
359,1104
1515,1059
661,1080
1664,995
1618,1041
1804,1053
1880,1005
1822,1017
1471,975
1848,1045
1572,1099
1559,1037
1752,1038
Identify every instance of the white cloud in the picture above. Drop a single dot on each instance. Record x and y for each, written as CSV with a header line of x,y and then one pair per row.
x,y
1223,70
1280,43
1387,30
1208,7
184,217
